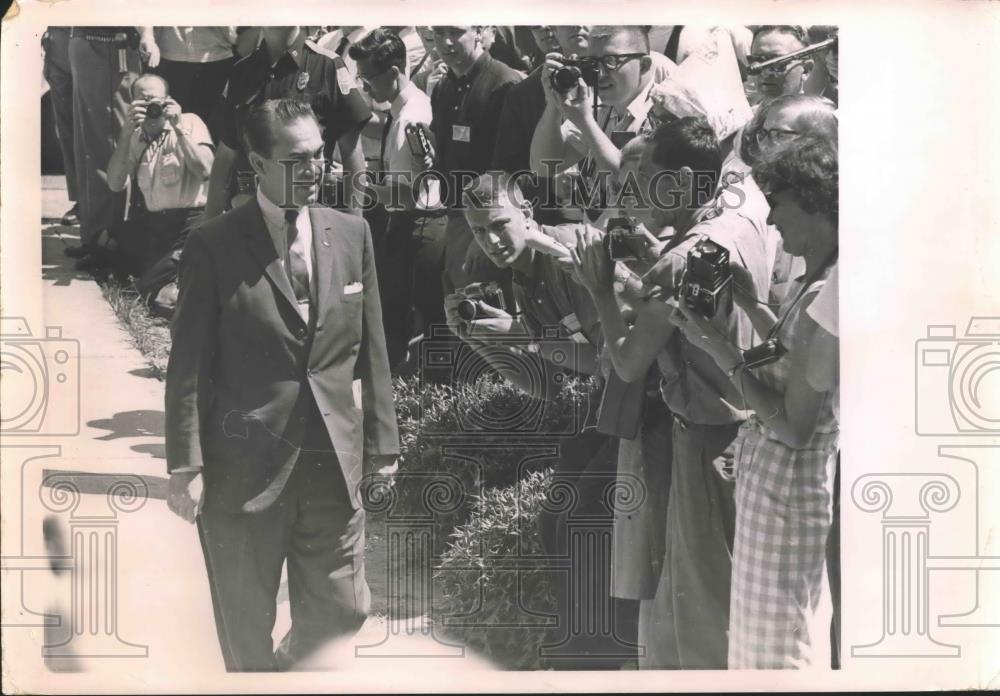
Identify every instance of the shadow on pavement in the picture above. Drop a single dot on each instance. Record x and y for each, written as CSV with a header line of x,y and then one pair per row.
x,y
130,424
56,266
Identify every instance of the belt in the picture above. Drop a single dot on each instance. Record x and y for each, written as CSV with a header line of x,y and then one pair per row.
x,y
99,37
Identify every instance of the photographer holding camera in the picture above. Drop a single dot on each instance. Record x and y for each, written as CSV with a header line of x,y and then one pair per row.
x,y
169,154
685,625
619,69
553,309
786,452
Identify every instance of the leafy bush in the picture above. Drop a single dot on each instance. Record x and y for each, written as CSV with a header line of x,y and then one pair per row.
x,y
445,463
487,592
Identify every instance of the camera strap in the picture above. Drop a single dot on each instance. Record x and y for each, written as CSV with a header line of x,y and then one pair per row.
x,y
806,284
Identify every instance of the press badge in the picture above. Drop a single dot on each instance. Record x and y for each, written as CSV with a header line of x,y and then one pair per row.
x,y
462,134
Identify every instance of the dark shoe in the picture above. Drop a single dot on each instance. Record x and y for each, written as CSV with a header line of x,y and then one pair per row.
x,y
97,260
78,252
72,216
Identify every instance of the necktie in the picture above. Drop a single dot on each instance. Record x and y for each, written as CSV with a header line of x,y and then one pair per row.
x,y
673,43
385,139
342,46
298,273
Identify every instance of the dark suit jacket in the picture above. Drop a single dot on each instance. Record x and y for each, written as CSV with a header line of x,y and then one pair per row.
x,y
245,368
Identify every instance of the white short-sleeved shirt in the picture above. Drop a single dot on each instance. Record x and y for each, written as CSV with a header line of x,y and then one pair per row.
x,y
163,176
824,309
195,44
411,106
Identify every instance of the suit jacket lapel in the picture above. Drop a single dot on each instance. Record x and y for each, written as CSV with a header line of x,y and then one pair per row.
x,y
262,247
325,268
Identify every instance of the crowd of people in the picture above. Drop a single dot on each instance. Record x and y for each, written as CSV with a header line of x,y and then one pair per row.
x,y
662,198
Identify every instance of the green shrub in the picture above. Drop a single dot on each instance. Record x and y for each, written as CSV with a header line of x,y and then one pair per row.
x,y
441,484
487,594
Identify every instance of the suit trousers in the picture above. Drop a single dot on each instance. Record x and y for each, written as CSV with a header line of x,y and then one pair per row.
x,y
313,526
100,108
685,626
595,631
57,73
409,277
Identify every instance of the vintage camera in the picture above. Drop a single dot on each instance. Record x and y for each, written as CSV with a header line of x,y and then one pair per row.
x,y
707,284
565,78
418,142
766,353
623,241
154,109
488,293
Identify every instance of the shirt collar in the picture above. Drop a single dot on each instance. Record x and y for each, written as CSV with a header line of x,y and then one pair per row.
x,y
273,215
405,95
478,66
639,107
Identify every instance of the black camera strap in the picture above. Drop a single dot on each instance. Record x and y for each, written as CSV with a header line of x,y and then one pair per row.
x,y
806,284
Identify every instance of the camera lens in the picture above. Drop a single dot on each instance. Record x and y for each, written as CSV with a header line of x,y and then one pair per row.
x,y
564,79
154,110
467,310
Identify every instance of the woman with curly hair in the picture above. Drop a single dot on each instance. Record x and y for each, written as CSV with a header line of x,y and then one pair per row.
x,y
785,452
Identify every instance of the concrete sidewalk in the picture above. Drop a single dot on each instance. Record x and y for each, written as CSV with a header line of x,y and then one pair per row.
x,y
137,605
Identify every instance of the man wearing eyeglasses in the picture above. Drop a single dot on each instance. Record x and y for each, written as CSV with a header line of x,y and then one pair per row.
x,y
278,314
775,41
410,256
571,133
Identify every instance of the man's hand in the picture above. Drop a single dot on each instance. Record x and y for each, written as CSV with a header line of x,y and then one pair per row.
x,y
137,112
171,111
592,267
496,322
454,321
185,494
382,465
577,105
440,70
148,50
700,332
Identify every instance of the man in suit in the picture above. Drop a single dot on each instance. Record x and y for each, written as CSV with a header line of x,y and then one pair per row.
x,y
278,315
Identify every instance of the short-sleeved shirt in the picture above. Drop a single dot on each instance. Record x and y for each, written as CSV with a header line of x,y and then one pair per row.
x,y
824,309
305,73
466,113
550,299
410,107
636,119
164,178
692,385
195,44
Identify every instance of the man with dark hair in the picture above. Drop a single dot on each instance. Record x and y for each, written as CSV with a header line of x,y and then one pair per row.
x,y
278,315
466,106
286,65
685,626
411,252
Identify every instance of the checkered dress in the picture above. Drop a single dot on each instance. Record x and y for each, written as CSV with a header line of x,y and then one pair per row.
x,y
783,517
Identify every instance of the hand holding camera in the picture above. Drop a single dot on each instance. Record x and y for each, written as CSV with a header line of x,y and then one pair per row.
x,y
570,85
479,309
154,110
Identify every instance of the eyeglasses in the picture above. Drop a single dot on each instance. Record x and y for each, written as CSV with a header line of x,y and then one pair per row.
x,y
776,135
613,62
366,80
779,70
